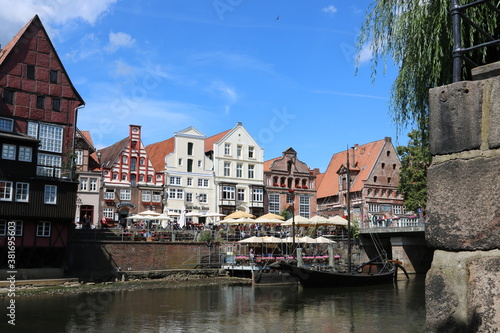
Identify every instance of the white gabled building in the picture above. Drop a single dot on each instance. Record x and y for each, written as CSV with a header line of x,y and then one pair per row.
x,y
238,171
189,181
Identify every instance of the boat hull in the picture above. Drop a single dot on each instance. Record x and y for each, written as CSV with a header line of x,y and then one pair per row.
x,y
316,278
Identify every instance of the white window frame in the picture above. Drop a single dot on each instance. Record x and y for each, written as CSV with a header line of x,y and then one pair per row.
x,y
51,138
227,169
274,203
176,193
202,182
146,196
50,195
397,209
49,165
189,197
240,194
93,185
156,197
22,192
258,195
6,189
189,181
239,170
125,195
228,192
25,154
304,206
43,229
18,229
79,157
227,148
251,152
203,198
9,151
83,184
251,171
109,194
374,208
108,213
175,180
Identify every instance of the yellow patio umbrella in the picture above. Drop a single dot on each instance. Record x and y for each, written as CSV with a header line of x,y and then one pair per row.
x,y
239,214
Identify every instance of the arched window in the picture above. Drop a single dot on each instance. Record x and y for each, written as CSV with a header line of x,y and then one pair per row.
x,y
374,179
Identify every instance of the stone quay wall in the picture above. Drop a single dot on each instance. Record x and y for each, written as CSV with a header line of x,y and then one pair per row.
x,y
463,284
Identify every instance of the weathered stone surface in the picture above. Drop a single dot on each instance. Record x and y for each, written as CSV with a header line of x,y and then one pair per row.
x,y
455,114
463,207
486,71
462,290
494,119
484,293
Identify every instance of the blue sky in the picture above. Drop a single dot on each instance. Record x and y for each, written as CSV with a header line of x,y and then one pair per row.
x,y
285,69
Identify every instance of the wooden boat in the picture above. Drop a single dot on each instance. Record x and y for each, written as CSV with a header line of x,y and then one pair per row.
x,y
368,274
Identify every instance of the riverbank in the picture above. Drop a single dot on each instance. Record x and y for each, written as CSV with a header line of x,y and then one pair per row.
x,y
179,281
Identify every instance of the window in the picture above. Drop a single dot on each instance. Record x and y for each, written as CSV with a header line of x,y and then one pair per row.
x,y
93,184
4,227
146,196
124,176
389,180
373,208
5,190
228,192
241,194
56,104
109,194
83,184
227,149
382,165
374,179
53,76
6,124
189,197
190,165
189,181
199,163
203,197
30,72
176,193
150,178
156,196
274,203
115,175
51,137
141,161
190,148
239,148
50,195
239,170
388,153
124,159
397,209
22,192
8,151
108,213
258,195
125,195
133,144
8,96
251,169
227,169
289,198
141,177
250,152
49,165
133,163
25,154
304,206
202,182
180,161
175,180
43,229
40,102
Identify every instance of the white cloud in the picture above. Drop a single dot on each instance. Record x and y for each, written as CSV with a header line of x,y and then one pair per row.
x,y
118,40
52,13
365,54
330,9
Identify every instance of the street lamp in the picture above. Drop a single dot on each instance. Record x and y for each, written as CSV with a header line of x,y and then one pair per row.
x,y
290,190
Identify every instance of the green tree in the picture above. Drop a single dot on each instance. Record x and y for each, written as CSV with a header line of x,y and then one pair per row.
x,y
415,159
417,36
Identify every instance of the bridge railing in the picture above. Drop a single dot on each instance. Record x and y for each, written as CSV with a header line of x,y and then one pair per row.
x,y
403,222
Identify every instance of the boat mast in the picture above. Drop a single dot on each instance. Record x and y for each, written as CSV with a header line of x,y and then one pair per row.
x,y
348,198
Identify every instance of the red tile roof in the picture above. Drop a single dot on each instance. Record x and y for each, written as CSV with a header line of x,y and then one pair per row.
x,y
363,159
158,151
109,155
209,142
269,163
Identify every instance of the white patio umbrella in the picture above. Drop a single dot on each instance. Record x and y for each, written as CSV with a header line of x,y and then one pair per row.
x,y
324,240
238,214
338,220
306,240
193,214
252,240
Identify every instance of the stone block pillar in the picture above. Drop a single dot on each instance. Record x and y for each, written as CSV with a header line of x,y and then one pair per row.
x,y
412,252
463,284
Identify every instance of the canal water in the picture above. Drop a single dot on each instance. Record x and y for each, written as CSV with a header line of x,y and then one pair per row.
x,y
241,309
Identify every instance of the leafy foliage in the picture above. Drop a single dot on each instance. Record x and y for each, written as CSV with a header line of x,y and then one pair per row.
x,y
415,160
417,35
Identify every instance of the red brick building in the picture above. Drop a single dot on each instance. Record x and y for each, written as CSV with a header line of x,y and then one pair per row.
x,y
374,174
290,184
38,112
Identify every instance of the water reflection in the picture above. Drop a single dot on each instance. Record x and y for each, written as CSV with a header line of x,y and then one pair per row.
x,y
230,309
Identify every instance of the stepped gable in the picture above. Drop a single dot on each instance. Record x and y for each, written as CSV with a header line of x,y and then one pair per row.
x,y
363,160
158,151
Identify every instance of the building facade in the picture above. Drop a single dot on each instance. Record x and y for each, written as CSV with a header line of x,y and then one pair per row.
x,y
238,171
290,185
38,186
130,182
374,175
189,178
89,176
